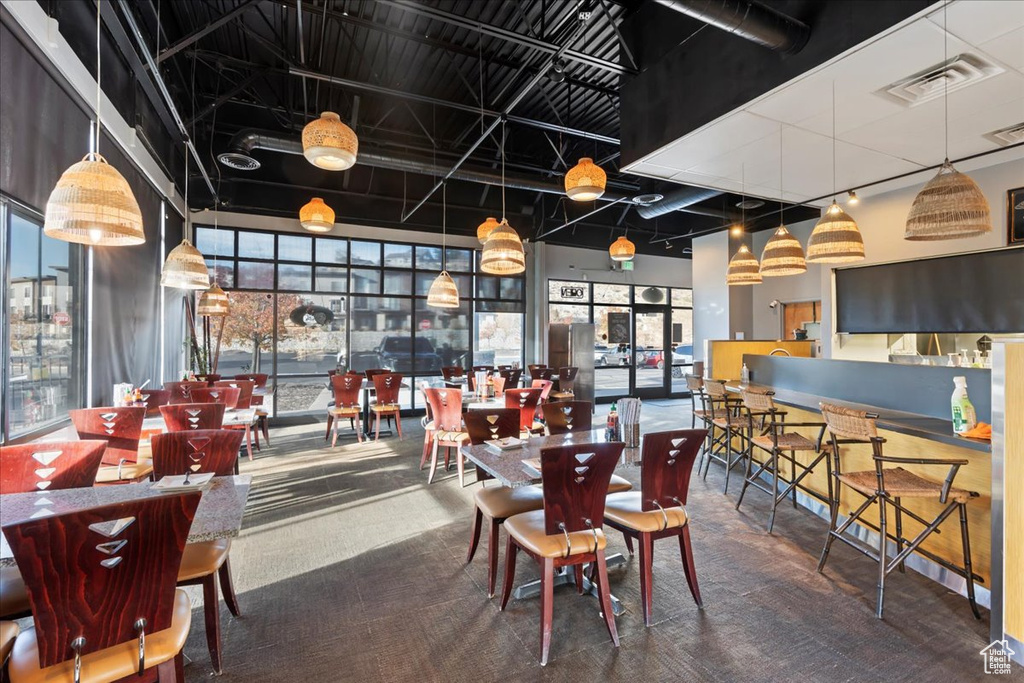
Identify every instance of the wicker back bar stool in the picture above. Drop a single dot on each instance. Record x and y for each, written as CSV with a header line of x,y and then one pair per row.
x,y
779,444
725,421
887,486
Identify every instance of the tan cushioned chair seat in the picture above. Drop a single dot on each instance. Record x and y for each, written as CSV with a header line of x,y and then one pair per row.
x,y
138,471
201,559
443,435
624,509
385,407
344,410
13,594
790,441
110,664
618,484
499,502
8,632
528,530
901,483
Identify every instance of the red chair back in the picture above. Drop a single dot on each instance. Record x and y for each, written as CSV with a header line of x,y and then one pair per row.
x,y
487,425
102,570
666,462
575,480
225,395
544,373
346,390
498,382
204,450
50,465
511,377
525,400
452,371
184,417
568,416
567,378
260,378
181,391
387,386
152,399
545,387
483,368
121,428
532,369
209,379
245,388
446,408
373,372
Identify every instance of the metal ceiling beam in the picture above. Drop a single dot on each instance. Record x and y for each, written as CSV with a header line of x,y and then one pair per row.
x,y
439,44
154,73
399,94
205,30
599,209
509,36
226,97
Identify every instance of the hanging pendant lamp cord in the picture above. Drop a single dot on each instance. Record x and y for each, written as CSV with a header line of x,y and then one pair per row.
x,y
96,140
833,142
503,169
945,81
782,203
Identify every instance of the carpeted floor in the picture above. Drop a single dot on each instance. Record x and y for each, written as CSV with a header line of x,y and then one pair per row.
x,y
350,568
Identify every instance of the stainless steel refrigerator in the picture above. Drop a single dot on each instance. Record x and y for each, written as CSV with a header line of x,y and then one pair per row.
x,y
573,345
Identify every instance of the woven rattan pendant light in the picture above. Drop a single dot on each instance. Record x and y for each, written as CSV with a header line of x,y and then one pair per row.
x,y
214,302
743,266
92,203
950,205
836,238
585,181
622,249
783,254
503,252
486,228
443,291
329,144
185,267
316,216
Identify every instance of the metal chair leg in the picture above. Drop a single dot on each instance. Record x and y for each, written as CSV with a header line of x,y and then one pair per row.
x,y
967,560
882,543
899,533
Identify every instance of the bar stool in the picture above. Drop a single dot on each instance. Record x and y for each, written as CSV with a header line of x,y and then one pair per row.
x,y
724,412
778,443
888,486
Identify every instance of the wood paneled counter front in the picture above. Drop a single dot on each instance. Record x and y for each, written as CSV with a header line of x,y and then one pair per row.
x,y
908,435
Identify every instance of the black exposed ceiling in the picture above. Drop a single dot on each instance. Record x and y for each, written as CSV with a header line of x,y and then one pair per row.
x,y
410,78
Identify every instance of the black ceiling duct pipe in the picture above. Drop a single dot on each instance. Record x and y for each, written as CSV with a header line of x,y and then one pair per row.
x,y
677,200
751,20
239,156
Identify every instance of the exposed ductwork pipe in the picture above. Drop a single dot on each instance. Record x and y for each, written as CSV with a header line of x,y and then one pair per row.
x,y
751,20
239,156
678,200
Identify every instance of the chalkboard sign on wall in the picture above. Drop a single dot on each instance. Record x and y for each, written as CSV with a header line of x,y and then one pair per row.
x,y
979,292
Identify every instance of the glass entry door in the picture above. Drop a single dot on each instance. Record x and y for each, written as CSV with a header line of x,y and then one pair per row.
x,y
651,372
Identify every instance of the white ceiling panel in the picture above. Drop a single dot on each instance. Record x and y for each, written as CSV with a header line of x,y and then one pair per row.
x,y
878,136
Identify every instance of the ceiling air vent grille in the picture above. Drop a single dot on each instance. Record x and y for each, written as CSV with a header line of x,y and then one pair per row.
x,y
959,72
1011,135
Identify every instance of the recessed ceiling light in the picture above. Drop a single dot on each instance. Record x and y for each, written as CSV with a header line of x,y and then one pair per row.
x,y
648,199
749,204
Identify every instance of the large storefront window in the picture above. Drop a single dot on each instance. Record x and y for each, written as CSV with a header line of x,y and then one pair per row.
x,y
638,331
43,307
308,305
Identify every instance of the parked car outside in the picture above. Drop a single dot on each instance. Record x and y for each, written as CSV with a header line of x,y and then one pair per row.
x,y
681,355
621,355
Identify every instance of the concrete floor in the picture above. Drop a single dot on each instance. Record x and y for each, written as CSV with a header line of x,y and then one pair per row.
x,y
350,568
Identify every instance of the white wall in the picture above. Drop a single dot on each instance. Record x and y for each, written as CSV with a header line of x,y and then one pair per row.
x,y
710,293
791,288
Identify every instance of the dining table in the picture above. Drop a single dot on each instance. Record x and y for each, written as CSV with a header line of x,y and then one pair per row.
x,y
521,467
219,514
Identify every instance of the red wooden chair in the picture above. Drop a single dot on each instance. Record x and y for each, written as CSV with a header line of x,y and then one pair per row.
x,y
429,428
181,391
533,370
452,371
566,384
545,388
50,465
38,468
658,510
511,377
568,416
242,402
152,399
387,386
567,531
226,395
498,382
547,373
330,374
259,380
446,409
496,503
103,593
373,372
346,404
121,428
183,417
208,450
526,401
